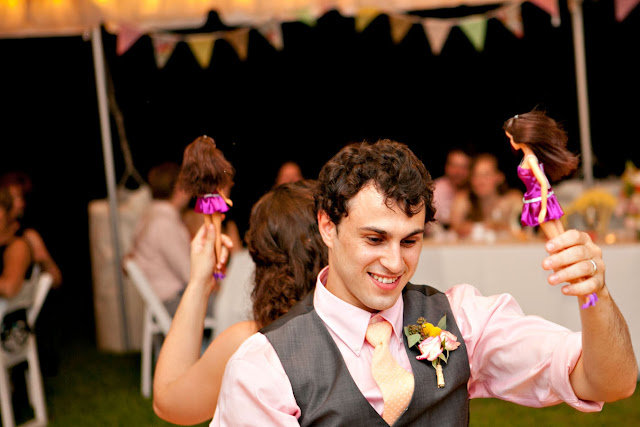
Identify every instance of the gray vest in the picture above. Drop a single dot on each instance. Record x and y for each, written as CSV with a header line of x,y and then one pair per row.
x,y
325,391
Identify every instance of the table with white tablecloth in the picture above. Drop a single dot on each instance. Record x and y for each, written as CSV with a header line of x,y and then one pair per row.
x,y
516,268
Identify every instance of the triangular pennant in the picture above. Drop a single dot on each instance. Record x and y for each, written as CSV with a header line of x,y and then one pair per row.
x,y
306,17
437,32
364,16
475,28
624,7
511,18
272,32
551,7
239,40
400,26
163,47
127,36
202,47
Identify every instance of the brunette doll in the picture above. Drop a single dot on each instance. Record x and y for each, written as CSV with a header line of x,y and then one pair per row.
x,y
543,142
207,175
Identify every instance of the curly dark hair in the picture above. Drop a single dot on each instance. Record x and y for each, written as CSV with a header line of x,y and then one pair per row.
x,y
204,168
547,139
391,166
286,247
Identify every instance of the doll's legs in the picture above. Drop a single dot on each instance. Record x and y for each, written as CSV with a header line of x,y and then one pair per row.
x,y
552,228
216,218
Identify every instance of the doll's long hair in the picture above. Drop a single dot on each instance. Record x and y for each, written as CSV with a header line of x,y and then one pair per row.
x,y
547,139
204,168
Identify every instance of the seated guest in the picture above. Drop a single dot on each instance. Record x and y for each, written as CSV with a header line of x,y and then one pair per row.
x,y
20,186
454,181
15,253
161,239
288,172
488,202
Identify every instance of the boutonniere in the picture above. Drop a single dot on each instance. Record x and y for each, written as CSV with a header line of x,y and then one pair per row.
x,y
433,342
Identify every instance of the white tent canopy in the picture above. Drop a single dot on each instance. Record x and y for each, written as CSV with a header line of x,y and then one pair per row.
x,y
49,18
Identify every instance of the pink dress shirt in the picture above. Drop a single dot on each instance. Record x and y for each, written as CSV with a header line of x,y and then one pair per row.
x,y
522,359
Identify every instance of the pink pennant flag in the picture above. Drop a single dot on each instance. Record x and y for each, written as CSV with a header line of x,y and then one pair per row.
x,y
437,31
551,7
623,8
511,18
163,47
127,36
272,32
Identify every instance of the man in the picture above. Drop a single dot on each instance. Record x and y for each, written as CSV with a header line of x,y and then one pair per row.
x,y
162,241
457,169
314,365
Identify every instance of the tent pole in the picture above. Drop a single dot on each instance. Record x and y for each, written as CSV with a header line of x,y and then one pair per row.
x,y
107,152
575,8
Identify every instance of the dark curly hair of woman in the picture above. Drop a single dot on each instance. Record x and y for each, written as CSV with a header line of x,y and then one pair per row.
x,y
391,166
286,247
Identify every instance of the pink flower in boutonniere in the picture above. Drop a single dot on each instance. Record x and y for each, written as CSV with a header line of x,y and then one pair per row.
x,y
433,342
430,348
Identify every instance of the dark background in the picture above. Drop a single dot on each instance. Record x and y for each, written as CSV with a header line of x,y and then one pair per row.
x,y
329,86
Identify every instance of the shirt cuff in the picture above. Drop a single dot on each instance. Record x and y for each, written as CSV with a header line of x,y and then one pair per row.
x,y
563,362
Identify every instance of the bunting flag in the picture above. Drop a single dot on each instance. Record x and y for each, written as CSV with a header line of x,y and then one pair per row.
x,y
511,18
127,36
623,8
272,32
202,47
239,40
163,47
306,17
475,28
551,7
400,26
437,31
364,16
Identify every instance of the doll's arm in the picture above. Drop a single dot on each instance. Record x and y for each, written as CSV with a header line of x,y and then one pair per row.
x,y
225,198
544,187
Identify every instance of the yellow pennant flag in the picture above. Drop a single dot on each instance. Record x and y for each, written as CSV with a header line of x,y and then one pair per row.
x,y
163,47
239,40
400,26
511,18
437,32
202,47
475,28
364,16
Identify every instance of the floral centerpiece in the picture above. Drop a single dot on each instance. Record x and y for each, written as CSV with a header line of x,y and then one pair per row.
x,y
629,206
433,342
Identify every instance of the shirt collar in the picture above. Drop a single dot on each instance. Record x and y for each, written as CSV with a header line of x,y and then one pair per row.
x,y
347,321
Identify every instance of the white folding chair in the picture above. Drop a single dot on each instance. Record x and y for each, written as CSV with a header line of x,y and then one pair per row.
x,y
157,320
31,297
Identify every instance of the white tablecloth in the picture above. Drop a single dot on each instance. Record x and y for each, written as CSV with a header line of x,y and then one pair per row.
x,y
517,269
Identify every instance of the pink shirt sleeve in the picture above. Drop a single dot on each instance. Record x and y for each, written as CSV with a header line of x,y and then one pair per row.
x,y
255,389
522,359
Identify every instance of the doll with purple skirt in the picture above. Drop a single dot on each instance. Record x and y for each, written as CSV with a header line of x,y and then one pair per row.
x,y
207,174
543,143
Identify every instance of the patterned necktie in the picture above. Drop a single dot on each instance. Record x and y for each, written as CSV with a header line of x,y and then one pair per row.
x,y
396,384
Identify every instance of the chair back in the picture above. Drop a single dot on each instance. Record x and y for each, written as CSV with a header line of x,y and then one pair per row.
x,y
31,297
152,301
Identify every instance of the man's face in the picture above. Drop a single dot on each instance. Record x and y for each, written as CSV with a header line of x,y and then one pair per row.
x,y
17,211
457,168
373,252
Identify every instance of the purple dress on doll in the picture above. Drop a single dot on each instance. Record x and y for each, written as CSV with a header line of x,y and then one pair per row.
x,y
211,203
532,199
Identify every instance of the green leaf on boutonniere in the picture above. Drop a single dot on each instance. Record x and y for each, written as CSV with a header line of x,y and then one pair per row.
x,y
443,357
413,339
442,324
